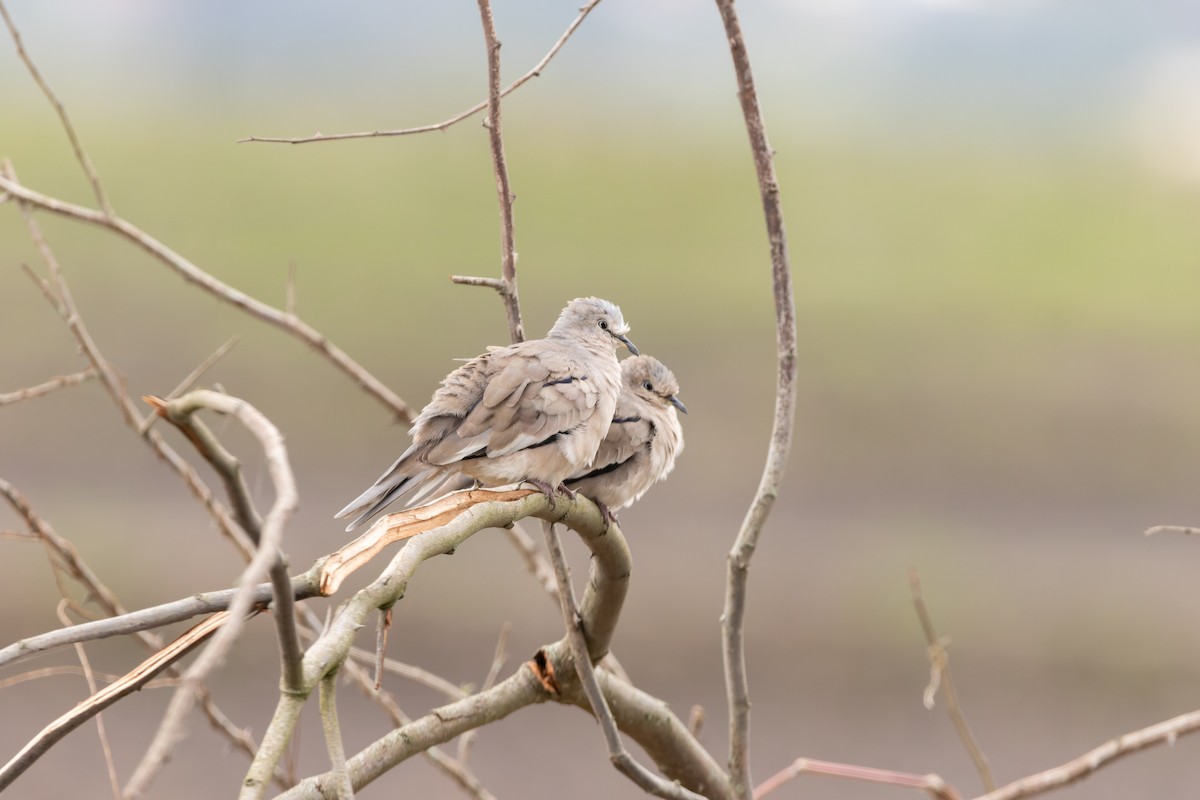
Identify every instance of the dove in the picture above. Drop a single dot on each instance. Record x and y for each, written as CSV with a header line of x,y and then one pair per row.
x,y
534,412
643,441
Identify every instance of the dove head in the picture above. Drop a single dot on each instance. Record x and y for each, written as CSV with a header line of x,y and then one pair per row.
x,y
594,322
649,379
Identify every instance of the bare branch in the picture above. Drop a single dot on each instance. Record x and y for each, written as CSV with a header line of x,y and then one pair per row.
x,y
85,710
1184,529
582,657
696,720
193,274
86,665
458,772
1166,732
508,244
121,622
733,618
49,386
381,637
446,123
61,110
269,553
469,280
144,619
64,304
940,672
932,784
193,376
181,413
413,673
445,525
333,737
67,669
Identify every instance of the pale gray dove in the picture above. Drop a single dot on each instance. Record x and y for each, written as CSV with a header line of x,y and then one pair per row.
x,y
533,412
643,441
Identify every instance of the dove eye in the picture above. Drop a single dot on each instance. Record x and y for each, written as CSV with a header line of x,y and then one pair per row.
x,y
649,387
603,324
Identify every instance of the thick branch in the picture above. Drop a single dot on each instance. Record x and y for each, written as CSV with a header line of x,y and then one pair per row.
x,y
733,644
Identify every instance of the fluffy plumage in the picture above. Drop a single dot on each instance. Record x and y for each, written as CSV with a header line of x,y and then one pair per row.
x,y
535,411
643,441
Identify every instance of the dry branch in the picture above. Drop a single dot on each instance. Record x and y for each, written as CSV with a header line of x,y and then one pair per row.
x,y
268,554
1166,732
940,674
80,155
583,658
733,618
931,784
60,298
49,386
110,694
508,245
446,123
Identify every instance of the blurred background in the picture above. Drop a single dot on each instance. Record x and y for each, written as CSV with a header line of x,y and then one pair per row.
x,y
994,218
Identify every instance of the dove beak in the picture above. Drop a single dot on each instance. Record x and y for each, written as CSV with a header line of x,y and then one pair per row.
x,y
675,401
625,339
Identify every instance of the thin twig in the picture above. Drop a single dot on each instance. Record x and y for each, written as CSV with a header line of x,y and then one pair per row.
x,y
1166,732
631,768
1184,529
733,618
940,673
61,110
932,784
333,737
508,244
446,123
696,720
470,280
193,274
67,669
86,665
498,659
193,376
60,382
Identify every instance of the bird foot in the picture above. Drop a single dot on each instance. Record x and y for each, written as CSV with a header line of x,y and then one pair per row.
x,y
609,517
544,488
562,487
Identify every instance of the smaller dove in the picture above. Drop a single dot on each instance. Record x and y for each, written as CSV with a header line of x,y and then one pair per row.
x,y
643,441
532,412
